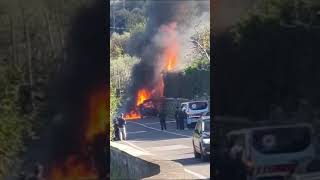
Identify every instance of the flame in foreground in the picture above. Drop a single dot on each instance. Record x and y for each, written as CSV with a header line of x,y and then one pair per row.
x,y
168,62
74,168
97,116
80,165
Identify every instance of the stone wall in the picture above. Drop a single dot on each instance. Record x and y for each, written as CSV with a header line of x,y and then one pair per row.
x,y
129,163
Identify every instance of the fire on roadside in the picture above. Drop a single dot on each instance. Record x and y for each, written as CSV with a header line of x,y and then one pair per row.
x,y
168,61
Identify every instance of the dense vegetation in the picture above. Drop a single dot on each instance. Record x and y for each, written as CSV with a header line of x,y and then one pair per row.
x,y
269,57
32,48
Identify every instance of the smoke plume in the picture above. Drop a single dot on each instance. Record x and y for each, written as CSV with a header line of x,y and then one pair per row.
x,y
168,22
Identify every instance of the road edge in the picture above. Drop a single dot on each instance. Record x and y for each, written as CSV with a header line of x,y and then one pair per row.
x,y
141,165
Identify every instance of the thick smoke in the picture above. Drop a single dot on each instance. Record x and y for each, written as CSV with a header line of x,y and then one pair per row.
x,y
84,71
149,46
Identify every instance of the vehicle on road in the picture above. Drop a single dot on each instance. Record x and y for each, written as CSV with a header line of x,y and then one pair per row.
x,y
148,108
194,110
201,139
274,150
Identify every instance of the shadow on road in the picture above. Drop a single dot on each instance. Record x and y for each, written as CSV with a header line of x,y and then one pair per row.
x,y
148,138
191,161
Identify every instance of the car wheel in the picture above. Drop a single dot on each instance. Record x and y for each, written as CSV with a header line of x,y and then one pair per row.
x,y
203,154
196,154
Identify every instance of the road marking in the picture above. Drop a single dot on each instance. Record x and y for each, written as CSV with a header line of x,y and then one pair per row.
x,y
168,148
195,174
159,122
136,132
160,130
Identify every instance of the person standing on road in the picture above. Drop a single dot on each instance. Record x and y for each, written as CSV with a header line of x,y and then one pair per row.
x,y
122,127
115,130
162,117
176,116
182,117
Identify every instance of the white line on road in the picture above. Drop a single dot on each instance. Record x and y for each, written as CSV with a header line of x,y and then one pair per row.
x,y
195,174
160,130
136,132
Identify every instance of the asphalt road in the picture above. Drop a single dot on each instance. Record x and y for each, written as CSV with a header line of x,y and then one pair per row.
x,y
172,144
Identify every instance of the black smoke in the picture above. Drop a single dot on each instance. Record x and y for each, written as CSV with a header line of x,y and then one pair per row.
x,y
85,69
147,45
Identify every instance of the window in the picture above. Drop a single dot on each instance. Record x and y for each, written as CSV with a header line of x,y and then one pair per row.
x,y
281,140
198,105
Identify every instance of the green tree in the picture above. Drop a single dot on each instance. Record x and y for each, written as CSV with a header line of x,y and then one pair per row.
x,y
117,44
120,70
114,104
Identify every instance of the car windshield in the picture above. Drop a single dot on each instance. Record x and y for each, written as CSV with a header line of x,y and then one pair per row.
x,y
281,140
207,126
198,105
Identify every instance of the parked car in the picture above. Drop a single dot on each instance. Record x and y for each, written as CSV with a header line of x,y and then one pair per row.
x,y
201,139
275,150
194,110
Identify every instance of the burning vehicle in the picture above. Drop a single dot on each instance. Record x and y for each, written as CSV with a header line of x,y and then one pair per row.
x,y
150,107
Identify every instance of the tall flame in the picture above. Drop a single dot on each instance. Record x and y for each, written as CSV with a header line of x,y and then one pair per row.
x,y
171,44
169,60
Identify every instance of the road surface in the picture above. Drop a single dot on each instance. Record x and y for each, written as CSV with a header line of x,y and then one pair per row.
x,y
172,144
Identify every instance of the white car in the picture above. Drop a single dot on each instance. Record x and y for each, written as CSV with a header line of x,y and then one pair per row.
x,y
194,110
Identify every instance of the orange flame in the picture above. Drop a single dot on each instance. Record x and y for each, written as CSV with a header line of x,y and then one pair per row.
x,y
171,44
143,95
80,165
169,62
73,169
132,115
96,123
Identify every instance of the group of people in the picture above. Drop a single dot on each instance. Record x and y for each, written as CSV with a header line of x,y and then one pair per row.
x,y
180,116
119,126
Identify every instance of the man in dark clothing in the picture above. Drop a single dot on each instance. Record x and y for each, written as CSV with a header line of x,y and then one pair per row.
x,y
162,117
122,127
182,117
115,130
176,116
